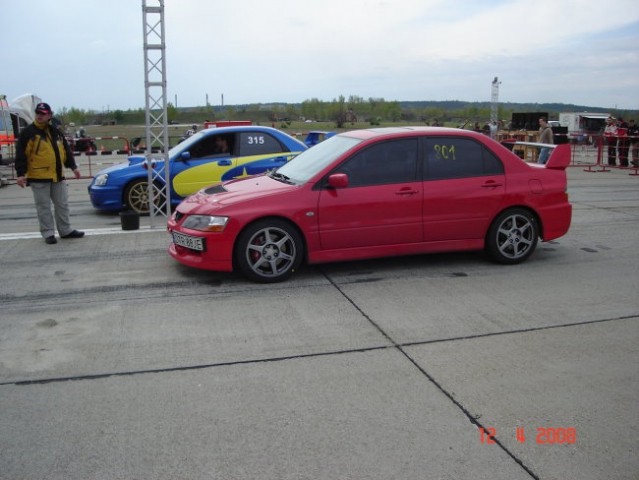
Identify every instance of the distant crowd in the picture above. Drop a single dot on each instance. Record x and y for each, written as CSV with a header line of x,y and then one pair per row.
x,y
622,138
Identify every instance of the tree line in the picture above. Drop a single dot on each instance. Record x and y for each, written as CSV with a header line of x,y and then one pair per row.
x,y
342,111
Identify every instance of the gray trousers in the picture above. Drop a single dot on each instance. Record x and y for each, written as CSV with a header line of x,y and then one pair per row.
x,y
57,193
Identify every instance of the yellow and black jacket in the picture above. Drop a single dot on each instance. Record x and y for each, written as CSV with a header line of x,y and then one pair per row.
x,y
41,153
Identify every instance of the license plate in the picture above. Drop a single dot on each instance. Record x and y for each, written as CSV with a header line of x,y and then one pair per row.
x,y
194,243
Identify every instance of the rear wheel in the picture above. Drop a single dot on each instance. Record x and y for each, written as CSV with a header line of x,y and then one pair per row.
x,y
269,251
512,236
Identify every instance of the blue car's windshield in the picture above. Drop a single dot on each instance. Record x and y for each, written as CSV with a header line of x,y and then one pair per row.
x,y
315,159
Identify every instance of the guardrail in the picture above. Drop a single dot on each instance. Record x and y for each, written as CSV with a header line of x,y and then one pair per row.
x,y
619,152
592,151
109,146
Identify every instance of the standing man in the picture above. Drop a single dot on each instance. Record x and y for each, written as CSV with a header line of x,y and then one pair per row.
x,y
633,133
623,143
42,153
545,136
610,137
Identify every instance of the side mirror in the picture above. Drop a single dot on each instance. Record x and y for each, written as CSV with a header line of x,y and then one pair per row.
x,y
185,155
338,180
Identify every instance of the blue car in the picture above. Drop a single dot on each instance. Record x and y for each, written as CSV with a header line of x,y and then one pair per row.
x,y
315,136
204,158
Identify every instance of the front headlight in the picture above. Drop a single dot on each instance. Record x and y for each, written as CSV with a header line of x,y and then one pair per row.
x,y
101,179
205,223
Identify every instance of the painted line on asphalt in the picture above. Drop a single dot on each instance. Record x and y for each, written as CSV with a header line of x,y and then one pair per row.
x,y
87,232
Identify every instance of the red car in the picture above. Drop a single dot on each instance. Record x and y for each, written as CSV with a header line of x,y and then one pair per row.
x,y
376,193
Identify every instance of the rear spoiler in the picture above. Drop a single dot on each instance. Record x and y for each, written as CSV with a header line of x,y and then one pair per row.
x,y
559,157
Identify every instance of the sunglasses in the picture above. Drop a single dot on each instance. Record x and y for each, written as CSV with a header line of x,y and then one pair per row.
x,y
40,112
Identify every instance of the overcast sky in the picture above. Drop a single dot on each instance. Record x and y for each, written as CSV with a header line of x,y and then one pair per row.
x,y
89,54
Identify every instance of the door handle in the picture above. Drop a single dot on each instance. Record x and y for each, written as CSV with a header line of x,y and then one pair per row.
x,y
406,191
224,163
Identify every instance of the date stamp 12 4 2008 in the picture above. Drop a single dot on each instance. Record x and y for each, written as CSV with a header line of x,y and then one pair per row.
x,y
543,435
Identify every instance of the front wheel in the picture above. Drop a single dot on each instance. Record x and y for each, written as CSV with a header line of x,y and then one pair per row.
x,y
269,251
512,236
136,197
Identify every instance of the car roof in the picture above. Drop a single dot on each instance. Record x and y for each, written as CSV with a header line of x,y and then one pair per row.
x,y
370,133
238,128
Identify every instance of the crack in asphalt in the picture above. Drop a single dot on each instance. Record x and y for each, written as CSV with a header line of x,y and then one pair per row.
x,y
474,420
393,344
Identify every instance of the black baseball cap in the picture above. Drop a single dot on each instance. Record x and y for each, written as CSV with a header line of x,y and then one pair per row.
x,y
43,108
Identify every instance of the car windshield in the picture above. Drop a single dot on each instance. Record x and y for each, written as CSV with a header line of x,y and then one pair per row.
x,y
310,162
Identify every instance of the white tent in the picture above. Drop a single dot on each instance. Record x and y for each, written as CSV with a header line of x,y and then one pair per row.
x,y
24,106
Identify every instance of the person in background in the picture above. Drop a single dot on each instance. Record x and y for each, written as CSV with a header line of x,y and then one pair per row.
x,y
493,128
545,136
191,131
633,136
42,152
623,142
610,135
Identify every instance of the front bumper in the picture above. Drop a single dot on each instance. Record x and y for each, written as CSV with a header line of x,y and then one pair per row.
x,y
218,255
106,198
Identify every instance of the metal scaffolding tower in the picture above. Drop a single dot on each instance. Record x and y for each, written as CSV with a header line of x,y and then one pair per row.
x,y
494,100
157,133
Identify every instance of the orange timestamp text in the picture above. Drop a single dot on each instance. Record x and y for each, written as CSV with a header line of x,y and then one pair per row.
x,y
544,436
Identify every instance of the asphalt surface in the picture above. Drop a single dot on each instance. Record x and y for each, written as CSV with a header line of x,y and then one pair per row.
x,y
118,363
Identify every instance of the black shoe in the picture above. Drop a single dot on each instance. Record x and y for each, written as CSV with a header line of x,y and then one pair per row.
x,y
50,240
73,234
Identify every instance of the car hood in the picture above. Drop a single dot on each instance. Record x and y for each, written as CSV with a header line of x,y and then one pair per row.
x,y
241,191
136,159
131,162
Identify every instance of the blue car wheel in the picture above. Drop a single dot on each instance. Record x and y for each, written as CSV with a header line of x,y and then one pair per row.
x,y
136,197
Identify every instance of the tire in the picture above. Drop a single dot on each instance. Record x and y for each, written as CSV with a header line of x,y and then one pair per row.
x,y
512,236
269,251
136,197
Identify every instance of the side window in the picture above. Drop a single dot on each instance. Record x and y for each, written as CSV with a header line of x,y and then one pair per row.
x,y
218,145
259,143
492,165
393,161
449,157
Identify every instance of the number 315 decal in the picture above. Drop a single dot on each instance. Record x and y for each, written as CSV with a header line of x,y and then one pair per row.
x,y
255,140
